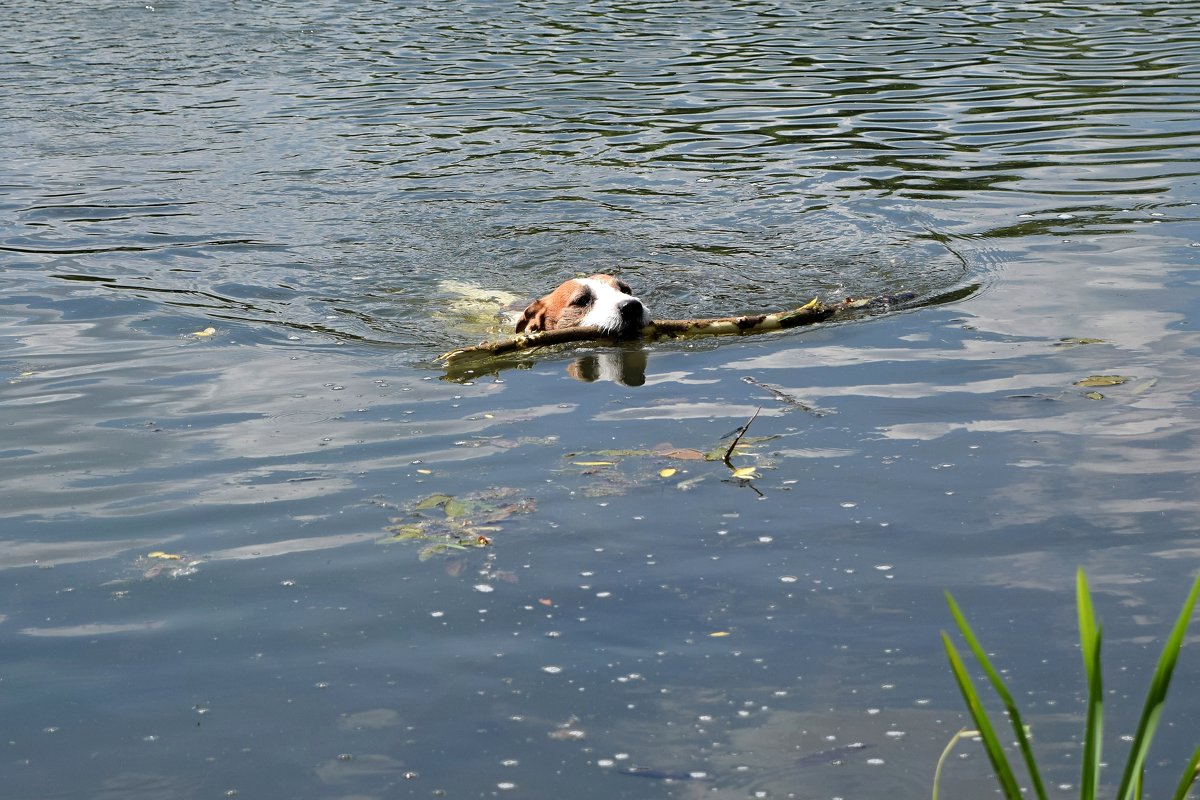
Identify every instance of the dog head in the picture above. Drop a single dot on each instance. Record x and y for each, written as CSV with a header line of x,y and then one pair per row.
x,y
600,301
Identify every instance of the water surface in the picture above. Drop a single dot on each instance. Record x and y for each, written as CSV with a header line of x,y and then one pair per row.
x,y
231,559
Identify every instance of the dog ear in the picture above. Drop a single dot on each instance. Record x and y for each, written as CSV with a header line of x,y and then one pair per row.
x,y
534,318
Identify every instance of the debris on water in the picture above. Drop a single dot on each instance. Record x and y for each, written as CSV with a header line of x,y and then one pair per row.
x,y
1102,380
449,523
834,755
664,774
171,565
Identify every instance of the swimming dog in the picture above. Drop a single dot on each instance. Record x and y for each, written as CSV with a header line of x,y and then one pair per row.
x,y
599,301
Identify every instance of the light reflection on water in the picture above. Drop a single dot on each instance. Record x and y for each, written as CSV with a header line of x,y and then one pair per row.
x,y
309,180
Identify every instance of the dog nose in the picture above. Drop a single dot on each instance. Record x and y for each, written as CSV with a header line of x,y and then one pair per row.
x,y
630,309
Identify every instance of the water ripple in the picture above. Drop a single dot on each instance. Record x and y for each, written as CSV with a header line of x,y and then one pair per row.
x,y
721,157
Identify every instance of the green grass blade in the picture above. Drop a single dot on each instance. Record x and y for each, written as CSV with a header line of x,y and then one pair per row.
x,y
941,762
1189,777
1089,643
1156,696
1014,716
991,743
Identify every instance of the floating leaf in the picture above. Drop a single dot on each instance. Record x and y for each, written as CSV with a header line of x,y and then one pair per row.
x,y
1102,380
594,463
433,501
1093,395
1073,341
424,472
205,332
164,556
745,473
403,533
666,473
719,634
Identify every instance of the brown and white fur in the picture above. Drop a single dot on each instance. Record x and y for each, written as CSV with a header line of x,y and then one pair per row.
x,y
599,301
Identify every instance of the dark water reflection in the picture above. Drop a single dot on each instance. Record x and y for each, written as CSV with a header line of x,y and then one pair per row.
x,y
233,237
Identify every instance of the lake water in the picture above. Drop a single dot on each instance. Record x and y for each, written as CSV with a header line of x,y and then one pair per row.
x,y
253,544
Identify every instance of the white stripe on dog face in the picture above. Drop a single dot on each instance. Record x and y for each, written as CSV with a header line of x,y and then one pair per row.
x,y
605,312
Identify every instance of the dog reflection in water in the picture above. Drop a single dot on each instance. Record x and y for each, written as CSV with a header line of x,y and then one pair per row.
x,y
626,366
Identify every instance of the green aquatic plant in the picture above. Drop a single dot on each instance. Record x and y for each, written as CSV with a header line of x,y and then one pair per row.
x,y
1089,639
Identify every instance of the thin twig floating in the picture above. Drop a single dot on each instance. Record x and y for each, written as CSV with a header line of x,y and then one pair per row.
x,y
784,397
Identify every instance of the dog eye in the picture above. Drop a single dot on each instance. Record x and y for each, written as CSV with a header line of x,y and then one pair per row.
x,y
581,299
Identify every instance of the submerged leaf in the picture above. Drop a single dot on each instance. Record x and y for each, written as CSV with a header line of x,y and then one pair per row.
x,y
456,507
1093,395
1145,386
1102,380
745,473
681,453
1072,341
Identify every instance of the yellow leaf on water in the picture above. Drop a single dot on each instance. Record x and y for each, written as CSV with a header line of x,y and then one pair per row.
x,y
745,473
424,472
1102,380
719,634
166,556
666,473
205,332
593,463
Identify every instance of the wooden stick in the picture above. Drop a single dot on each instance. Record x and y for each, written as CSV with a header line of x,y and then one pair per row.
x,y
808,314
